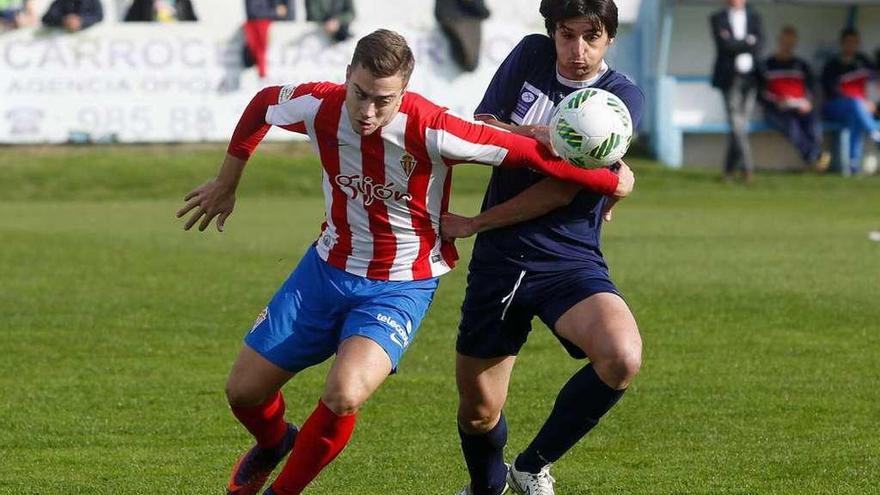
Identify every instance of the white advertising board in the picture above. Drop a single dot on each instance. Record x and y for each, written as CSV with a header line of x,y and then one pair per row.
x,y
185,83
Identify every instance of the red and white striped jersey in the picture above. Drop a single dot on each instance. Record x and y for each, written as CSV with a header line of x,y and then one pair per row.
x,y
384,193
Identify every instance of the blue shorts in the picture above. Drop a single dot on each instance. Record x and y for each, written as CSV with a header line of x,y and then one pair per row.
x,y
319,306
498,308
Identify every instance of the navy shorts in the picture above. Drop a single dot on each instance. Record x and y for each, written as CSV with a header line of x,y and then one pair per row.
x,y
319,306
498,308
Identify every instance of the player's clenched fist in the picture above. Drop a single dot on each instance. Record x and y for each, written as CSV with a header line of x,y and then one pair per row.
x,y
625,180
214,198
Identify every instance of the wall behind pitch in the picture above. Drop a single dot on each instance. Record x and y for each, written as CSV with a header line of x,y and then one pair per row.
x,y
143,82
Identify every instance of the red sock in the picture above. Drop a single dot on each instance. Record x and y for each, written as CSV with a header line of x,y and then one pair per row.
x,y
265,421
321,438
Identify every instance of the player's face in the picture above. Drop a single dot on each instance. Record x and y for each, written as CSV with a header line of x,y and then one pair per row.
x,y
580,48
736,4
371,101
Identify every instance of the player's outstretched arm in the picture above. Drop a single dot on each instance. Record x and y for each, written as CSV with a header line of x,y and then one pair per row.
x,y
216,198
460,141
537,200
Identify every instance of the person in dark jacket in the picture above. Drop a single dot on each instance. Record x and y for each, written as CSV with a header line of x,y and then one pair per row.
x,y
160,11
335,17
738,36
788,92
73,15
845,81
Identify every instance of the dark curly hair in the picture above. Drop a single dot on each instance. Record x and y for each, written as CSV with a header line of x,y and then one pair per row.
x,y
602,13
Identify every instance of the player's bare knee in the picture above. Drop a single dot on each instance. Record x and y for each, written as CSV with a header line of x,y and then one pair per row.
x,y
240,396
343,402
477,420
618,368
621,369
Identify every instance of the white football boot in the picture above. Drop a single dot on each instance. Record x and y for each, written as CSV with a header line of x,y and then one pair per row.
x,y
523,483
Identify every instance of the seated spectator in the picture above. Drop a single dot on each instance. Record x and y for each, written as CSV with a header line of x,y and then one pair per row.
x,y
788,90
261,13
845,81
160,11
73,15
335,17
16,14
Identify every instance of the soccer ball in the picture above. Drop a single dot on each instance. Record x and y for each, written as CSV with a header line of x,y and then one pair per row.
x,y
591,128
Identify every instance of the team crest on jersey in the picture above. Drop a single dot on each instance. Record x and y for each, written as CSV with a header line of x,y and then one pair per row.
x,y
408,163
286,93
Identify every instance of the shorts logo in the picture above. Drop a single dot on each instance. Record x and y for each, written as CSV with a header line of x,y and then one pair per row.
x,y
528,96
286,93
401,333
261,318
355,185
408,163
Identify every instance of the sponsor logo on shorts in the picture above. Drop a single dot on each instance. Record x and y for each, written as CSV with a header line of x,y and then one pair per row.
x,y
261,318
401,334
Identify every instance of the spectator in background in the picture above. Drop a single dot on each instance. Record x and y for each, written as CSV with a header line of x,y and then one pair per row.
x,y
788,92
877,65
461,22
845,81
16,14
738,38
73,15
160,11
334,15
260,14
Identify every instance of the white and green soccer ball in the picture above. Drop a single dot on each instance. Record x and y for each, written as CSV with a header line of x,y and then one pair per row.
x,y
591,128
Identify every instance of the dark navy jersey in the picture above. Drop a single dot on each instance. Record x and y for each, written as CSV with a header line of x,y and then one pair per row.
x,y
847,79
524,91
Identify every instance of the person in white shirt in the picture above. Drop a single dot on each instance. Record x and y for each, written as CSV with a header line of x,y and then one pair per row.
x,y
738,35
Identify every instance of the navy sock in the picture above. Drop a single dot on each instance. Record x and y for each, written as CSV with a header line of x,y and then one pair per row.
x,y
579,406
484,456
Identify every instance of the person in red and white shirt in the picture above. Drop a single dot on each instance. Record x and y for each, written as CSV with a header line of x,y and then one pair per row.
x,y
788,95
845,80
362,289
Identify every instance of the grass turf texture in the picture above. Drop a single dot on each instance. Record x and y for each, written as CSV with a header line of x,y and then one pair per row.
x,y
758,308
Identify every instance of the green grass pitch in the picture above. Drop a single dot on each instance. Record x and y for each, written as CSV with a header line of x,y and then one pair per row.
x,y
759,308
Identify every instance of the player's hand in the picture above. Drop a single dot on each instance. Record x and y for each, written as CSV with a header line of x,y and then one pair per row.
x,y
454,227
626,180
806,106
542,134
211,199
